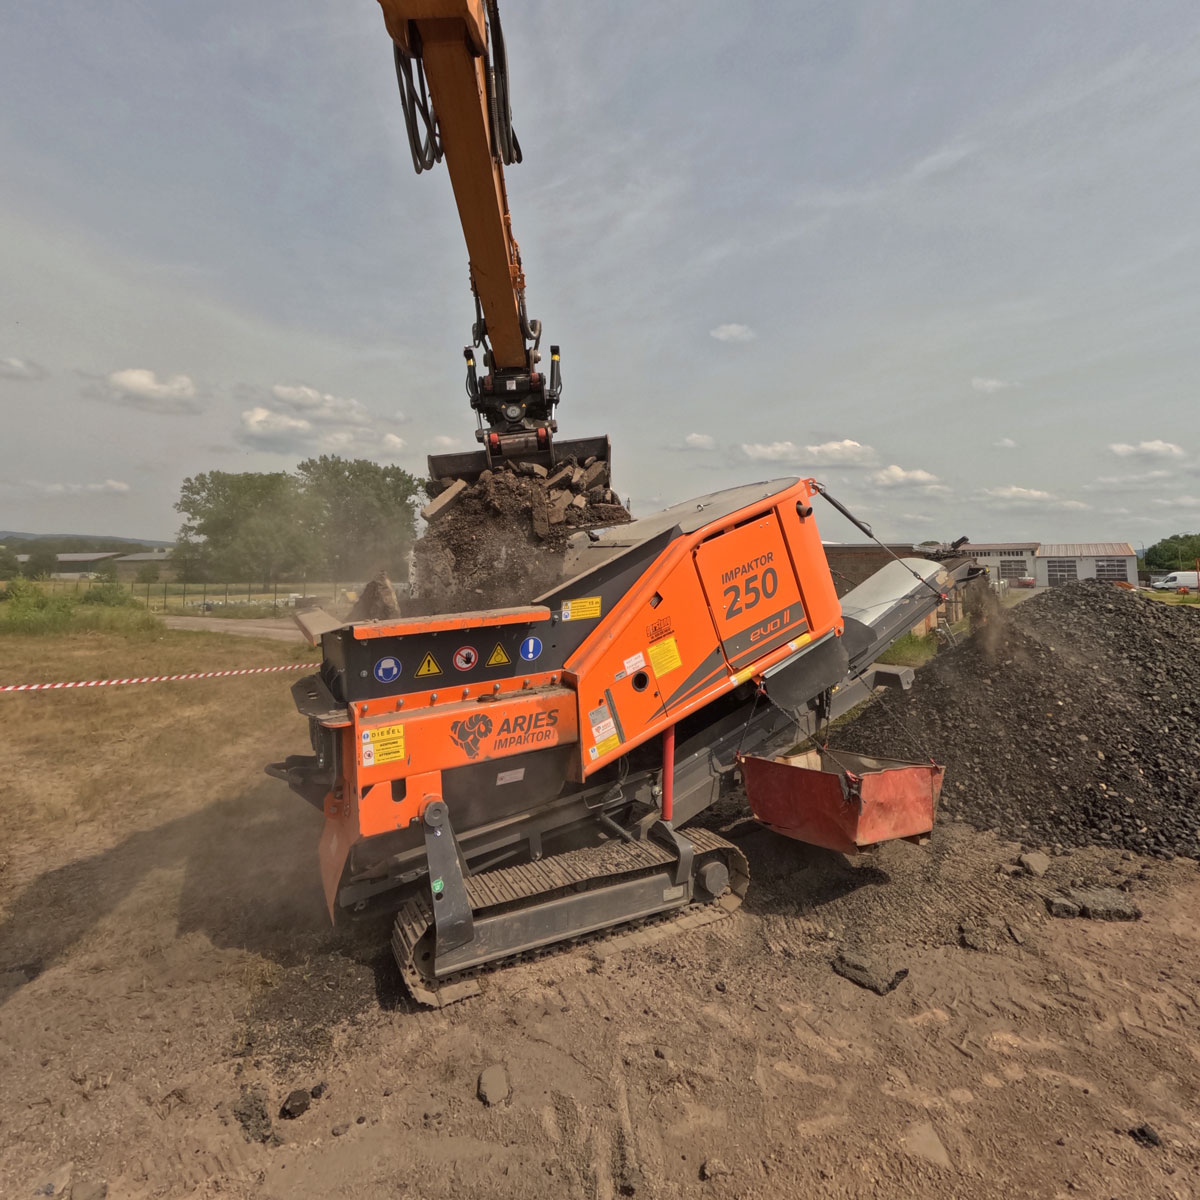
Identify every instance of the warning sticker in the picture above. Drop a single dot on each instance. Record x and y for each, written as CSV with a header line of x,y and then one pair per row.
x,y
428,667
608,745
498,657
382,744
636,662
604,728
465,657
664,656
584,609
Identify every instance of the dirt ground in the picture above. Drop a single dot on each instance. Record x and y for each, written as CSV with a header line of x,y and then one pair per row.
x,y
169,977
282,629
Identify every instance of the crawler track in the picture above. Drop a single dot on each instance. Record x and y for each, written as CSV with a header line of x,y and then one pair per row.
x,y
525,887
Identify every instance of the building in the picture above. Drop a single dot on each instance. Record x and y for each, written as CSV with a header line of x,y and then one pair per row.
x,y
1064,562
1052,563
78,565
1005,560
129,565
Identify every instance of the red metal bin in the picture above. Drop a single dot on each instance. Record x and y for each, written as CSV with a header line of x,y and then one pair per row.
x,y
843,801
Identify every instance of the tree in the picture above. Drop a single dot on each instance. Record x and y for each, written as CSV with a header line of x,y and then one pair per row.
x,y
251,526
364,515
147,573
107,571
41,564
9,567
1177,552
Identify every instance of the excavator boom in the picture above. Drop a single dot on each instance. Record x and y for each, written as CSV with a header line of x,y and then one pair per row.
x,y
453,76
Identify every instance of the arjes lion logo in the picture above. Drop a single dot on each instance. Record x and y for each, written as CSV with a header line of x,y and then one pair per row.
x,y
468,732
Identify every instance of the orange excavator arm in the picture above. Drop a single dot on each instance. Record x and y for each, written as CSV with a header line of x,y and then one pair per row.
x,y
449,38
453,75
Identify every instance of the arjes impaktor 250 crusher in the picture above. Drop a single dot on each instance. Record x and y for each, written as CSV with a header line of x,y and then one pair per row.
x,y
509,779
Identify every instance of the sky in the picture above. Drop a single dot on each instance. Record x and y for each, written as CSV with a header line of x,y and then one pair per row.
x,y
943,255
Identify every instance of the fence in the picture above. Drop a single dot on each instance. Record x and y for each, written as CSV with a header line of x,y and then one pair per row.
x,y
215,599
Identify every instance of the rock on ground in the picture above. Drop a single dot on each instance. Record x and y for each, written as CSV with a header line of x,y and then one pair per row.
x,y
1072,719
867,975
493,1087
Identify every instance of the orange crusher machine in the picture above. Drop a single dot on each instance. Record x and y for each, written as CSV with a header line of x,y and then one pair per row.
x,y
510,779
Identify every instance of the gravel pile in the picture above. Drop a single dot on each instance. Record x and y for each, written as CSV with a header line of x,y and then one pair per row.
x,y
501,540
1070,720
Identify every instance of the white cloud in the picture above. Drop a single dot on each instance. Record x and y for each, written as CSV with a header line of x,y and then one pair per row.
x,y
1005,444
897,476
990,386
1154,449
846,453
700,441
21,368
442,441
264,424
140,388
1104,483
298,419
1179,502
733,333
111,487
1012,496
322,407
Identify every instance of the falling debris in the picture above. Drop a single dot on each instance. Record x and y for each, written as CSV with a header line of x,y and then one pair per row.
x,y
501,542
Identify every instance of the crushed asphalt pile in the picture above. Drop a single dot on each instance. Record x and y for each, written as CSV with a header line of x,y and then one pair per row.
x,y
500,541
1070,720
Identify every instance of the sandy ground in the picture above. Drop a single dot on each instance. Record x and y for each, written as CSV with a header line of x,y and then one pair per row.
x,y
167,963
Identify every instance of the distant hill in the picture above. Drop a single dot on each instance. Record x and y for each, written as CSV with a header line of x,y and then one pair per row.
x,y
75,543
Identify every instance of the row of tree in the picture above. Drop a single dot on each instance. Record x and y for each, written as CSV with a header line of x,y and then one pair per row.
x,y
1177,552
332,518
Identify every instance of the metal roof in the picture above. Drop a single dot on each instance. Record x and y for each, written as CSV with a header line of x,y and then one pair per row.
x,y
991,547
1087,550
148,556
76,557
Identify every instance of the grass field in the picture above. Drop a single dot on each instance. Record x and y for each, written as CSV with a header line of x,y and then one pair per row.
x,y
104,753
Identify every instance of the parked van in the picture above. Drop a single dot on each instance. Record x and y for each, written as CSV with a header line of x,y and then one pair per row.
x,y
1176,580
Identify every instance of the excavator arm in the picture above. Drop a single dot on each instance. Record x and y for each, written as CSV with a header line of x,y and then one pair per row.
x,y
453,76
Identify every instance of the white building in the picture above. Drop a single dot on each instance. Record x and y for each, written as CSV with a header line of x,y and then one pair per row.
x,y
1064,562
1005,560
1050,564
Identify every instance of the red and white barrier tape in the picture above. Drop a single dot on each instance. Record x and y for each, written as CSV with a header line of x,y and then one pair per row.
x,y
92,683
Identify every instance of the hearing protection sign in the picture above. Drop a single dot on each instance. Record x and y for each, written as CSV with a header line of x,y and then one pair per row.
x,y
382,744
428,667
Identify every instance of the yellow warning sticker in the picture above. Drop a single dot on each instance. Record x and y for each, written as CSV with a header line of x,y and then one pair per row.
x,y
428,667
498,657
664,656
382,744
586,608
610,743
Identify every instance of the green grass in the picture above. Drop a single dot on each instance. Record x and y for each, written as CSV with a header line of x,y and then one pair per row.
x,y
1171,597
27,610
910,651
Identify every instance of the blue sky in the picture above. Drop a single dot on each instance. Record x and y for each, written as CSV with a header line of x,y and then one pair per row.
x,y
942,255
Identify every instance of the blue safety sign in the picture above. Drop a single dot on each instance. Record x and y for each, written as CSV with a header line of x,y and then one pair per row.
x,y
387,669
531,648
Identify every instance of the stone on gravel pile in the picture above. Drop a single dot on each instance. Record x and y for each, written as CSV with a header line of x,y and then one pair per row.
x,y
502,539
1069,720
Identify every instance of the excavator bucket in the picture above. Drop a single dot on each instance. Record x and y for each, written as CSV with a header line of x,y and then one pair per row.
x,y
469,465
